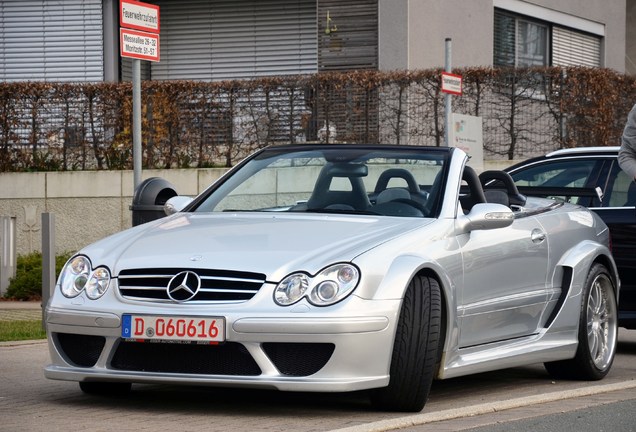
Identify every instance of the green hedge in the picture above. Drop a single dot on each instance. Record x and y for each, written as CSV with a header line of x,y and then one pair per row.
x,y
27,284
48,126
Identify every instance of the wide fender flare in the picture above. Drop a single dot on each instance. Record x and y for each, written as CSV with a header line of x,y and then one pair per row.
x,y
403,269
580,259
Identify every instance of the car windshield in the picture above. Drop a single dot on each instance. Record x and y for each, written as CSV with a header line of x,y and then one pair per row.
x,y
360,180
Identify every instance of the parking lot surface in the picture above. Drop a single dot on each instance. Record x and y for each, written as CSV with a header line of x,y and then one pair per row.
x,y
30,402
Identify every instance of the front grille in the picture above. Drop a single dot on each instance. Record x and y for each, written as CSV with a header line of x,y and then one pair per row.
x,y
299,359
216,285
226,359
81,350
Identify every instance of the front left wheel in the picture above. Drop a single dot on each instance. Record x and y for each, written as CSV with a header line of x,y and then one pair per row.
x,y
598,331
417,340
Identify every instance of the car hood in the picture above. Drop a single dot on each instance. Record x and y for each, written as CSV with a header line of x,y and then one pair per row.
x,y
271,243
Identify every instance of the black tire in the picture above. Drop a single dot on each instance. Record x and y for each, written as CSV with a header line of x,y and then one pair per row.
x,y
106,388
598,331
414,360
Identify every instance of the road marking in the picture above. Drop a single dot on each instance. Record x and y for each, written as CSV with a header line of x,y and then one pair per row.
x,y
485,408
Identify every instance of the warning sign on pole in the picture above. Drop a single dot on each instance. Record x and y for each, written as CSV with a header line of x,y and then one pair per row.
x,y
140,45
451,83
139,16
139,32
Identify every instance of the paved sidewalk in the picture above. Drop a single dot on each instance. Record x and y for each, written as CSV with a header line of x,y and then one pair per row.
x,y
20,310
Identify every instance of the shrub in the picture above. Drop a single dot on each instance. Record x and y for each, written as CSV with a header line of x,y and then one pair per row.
x,y
27,283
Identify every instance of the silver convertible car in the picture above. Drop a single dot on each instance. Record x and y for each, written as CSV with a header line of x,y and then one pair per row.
x,y
336,268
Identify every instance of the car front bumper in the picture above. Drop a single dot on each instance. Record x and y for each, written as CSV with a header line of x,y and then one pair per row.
x,y
308,350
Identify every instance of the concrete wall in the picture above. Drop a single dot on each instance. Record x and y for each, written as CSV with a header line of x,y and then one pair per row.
x,y
90,205
412,32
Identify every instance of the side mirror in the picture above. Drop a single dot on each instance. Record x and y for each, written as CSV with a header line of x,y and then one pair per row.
x,y
176,204
487,216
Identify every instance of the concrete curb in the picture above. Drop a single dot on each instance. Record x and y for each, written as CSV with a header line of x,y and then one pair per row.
x,y
486,408
22,343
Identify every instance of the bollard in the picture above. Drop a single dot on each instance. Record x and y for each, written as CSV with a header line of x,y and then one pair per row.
x,y
48,261
7,252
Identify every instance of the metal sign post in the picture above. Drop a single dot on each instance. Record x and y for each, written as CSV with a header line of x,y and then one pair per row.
x,y
451,85
139,40
137,154
447,96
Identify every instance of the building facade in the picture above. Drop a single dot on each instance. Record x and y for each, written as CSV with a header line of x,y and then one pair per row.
x,y
78,40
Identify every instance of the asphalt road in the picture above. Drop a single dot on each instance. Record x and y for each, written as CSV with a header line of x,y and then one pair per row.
x,y
29,402
617,416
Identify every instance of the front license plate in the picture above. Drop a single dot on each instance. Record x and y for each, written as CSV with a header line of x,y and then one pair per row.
x,y
173,328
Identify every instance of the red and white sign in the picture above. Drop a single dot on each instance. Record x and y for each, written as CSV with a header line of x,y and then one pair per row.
x,y
451,83
139,16
139,45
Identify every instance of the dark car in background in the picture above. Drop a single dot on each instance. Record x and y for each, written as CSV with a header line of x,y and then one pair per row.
x,y
590,176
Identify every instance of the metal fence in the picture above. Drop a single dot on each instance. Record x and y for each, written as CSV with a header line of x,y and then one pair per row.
x,y
525,112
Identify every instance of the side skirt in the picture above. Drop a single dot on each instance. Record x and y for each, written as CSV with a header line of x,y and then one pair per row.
x,y
539,348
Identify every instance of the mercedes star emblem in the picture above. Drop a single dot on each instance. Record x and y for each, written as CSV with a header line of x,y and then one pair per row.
x,y
184,286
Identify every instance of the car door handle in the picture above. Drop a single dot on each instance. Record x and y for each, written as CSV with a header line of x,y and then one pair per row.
x,y
537,235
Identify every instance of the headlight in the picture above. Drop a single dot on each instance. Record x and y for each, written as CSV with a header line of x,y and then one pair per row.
x,y
98,283
78,275
326,288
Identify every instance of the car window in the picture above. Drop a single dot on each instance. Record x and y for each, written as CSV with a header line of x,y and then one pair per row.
x,y
620,190
573,173
570,173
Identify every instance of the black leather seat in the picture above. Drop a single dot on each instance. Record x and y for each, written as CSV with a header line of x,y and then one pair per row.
x,y
323,196
475,193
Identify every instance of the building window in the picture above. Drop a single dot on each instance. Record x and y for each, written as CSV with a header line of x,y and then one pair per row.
x,y
216,40
43,40
573,48
520,41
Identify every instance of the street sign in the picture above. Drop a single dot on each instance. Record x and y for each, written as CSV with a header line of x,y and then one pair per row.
x,y
451,83
139,45
138,39
139,16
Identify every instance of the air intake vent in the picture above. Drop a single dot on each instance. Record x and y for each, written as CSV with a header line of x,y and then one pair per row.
x,y
226,359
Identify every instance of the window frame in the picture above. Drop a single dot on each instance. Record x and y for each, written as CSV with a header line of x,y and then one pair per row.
x,y
517,19
506,42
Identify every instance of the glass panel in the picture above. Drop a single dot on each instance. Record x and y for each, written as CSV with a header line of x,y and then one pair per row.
x,y
367,181
532,44
621,190
558,177
504,40
574,173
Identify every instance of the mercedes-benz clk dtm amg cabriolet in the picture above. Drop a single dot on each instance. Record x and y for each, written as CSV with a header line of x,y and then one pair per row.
x,y
338,268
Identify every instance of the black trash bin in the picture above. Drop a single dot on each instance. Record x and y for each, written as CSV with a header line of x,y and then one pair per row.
x,y
149,198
